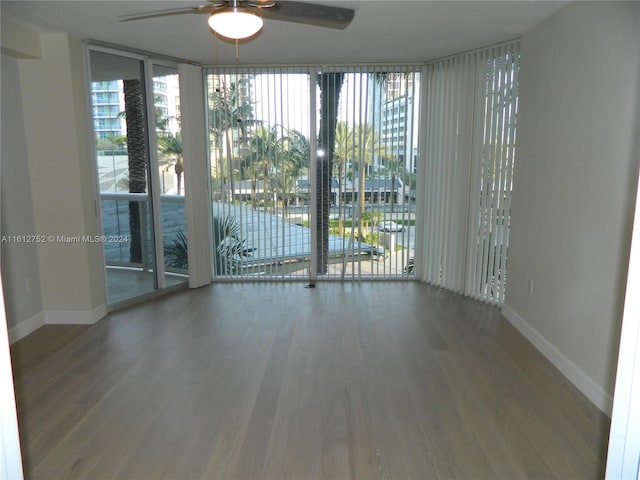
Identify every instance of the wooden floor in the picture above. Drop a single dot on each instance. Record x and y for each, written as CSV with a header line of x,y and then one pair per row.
x,y
373,380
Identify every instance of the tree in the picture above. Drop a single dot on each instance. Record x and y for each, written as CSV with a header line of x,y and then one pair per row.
x,y
330,84
295,157
296,149
391,167
228,245
361,145
369,147
262,150
229,113
138,153
113,142
250,170
171,145
276,156
176,252
344,150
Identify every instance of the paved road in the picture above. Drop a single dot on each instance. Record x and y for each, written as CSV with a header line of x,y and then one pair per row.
x,y
407,238
410,236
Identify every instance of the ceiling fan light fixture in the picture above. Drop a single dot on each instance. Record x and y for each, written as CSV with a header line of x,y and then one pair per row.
x,y
235,23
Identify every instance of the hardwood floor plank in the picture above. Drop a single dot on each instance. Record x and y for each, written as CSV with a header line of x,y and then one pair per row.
x,y
253,451
396,412
227,451
439,414
473,409
307,389
361,449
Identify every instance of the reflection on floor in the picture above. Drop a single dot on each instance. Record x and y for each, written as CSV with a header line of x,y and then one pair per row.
x,y
126,283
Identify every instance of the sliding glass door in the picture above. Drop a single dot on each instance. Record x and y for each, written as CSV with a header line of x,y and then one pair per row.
x,y
170,173
137,139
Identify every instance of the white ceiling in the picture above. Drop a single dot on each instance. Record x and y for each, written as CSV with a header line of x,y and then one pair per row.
x,y
382,31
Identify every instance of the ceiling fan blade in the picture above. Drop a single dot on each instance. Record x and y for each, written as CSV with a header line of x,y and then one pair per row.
x,y
309,14
170,11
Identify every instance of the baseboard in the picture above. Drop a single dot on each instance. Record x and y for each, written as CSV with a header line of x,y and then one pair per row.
x,y
75,317
56,317
594,392
26,327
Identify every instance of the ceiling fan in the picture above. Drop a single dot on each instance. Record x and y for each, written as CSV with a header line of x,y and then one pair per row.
x,y
240,19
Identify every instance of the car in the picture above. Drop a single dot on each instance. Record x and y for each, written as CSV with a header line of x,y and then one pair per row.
x,y
390,227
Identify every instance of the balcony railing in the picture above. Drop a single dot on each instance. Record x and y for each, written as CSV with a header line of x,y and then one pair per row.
x,y
279,245
116,224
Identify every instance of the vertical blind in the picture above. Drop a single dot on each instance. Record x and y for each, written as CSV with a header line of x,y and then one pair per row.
x,y
312,171
259,122
373,162
464,188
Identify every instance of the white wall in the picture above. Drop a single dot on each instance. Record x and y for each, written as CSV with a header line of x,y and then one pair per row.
x,y
18,41
60,161
20,271
574,185
51,140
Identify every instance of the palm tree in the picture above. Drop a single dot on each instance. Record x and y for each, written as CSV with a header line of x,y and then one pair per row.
x,y
138,153
250,170
229,248
230,113
369,147
391,167
344,150
171,145
262,151
295,158
296,148
176,253
330,84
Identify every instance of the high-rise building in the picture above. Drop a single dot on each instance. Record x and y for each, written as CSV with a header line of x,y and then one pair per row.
x,y
107,102
399,116
107,99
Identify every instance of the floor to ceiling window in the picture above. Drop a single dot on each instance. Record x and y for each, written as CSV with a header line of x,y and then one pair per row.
x,y
136,120
313,171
